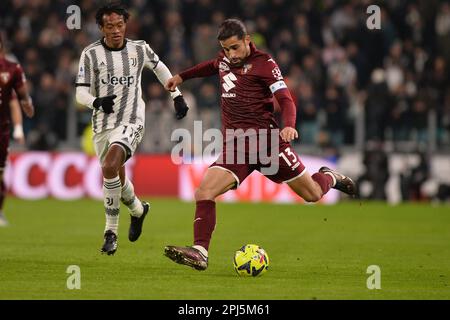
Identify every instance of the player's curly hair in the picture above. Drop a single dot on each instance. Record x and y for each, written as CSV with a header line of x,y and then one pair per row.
x,y
113,7
230,28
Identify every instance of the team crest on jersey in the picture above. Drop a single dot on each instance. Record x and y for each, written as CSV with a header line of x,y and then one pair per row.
x,y
246,68
223,67
277,73
4,77
133,61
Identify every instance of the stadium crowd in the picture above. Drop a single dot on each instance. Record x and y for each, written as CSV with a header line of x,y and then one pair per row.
x,y
338,70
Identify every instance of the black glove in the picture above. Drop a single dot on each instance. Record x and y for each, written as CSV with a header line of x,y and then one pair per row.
x,y
106,103
181,107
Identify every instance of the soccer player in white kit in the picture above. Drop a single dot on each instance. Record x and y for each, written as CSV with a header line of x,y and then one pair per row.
x,y
109,82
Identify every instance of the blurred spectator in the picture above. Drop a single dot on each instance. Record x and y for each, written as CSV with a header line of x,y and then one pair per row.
x,y
378,102
372,183
411,182
204,43
43,135
342,72
419,120
342,20
209,105
442,26
312,71
335,104
307,113
358,60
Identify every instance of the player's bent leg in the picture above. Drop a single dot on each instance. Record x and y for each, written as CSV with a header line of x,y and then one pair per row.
x,y
138,209
312,188
112,189
340,182
114,159
306,188
215,182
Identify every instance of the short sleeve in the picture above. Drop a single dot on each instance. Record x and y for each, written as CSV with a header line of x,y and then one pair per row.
x,y
151,59
271,75
85,71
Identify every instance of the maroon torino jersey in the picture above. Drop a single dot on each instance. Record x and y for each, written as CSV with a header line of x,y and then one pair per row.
x,y
11,77
247,90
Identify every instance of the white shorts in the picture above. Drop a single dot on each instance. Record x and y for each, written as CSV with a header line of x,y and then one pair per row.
x,y
127,136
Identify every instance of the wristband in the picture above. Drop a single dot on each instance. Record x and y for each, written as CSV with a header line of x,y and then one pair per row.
x,y
18,131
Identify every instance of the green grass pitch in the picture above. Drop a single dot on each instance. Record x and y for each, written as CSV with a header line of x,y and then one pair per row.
x,y
316,252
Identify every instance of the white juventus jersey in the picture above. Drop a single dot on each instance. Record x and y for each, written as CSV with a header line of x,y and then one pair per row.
x,y
108,71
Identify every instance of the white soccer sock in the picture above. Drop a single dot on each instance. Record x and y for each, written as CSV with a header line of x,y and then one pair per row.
x,y
130,200
111,191
332,177
201,249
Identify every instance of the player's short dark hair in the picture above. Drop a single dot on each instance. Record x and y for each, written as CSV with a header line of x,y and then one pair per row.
x,y
230,28
113,7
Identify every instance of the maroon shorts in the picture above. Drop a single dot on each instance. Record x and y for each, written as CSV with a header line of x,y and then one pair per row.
x,y
4,147
285,164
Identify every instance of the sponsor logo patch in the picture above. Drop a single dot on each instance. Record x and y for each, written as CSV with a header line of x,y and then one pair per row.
x,y
223,67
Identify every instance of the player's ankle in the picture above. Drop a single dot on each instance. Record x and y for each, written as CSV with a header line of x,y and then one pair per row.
x,y
201,249
332,177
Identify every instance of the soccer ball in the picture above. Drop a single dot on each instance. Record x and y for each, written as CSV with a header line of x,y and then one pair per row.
x,y
251,260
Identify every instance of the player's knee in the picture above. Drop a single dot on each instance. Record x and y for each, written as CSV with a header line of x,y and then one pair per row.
x,y
204,194
314,196
110,170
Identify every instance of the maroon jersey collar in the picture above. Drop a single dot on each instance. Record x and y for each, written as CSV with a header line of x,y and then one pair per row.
x,y
252,48
252,51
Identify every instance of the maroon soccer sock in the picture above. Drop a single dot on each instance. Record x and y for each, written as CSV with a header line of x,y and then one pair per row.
x,y
325,181
204,223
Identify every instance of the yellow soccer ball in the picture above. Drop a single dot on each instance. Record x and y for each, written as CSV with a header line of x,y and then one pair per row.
x,y
251,261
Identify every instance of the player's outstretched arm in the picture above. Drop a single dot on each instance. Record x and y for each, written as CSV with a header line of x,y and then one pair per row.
x,y
201,70
180,105
173,82
25,101
16,117
20,87
164,76
288,113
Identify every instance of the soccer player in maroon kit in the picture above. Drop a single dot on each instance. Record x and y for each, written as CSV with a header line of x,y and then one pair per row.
x,y
249,80
12,79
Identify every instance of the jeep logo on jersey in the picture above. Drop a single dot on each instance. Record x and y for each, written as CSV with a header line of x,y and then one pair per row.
x,y
113,80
